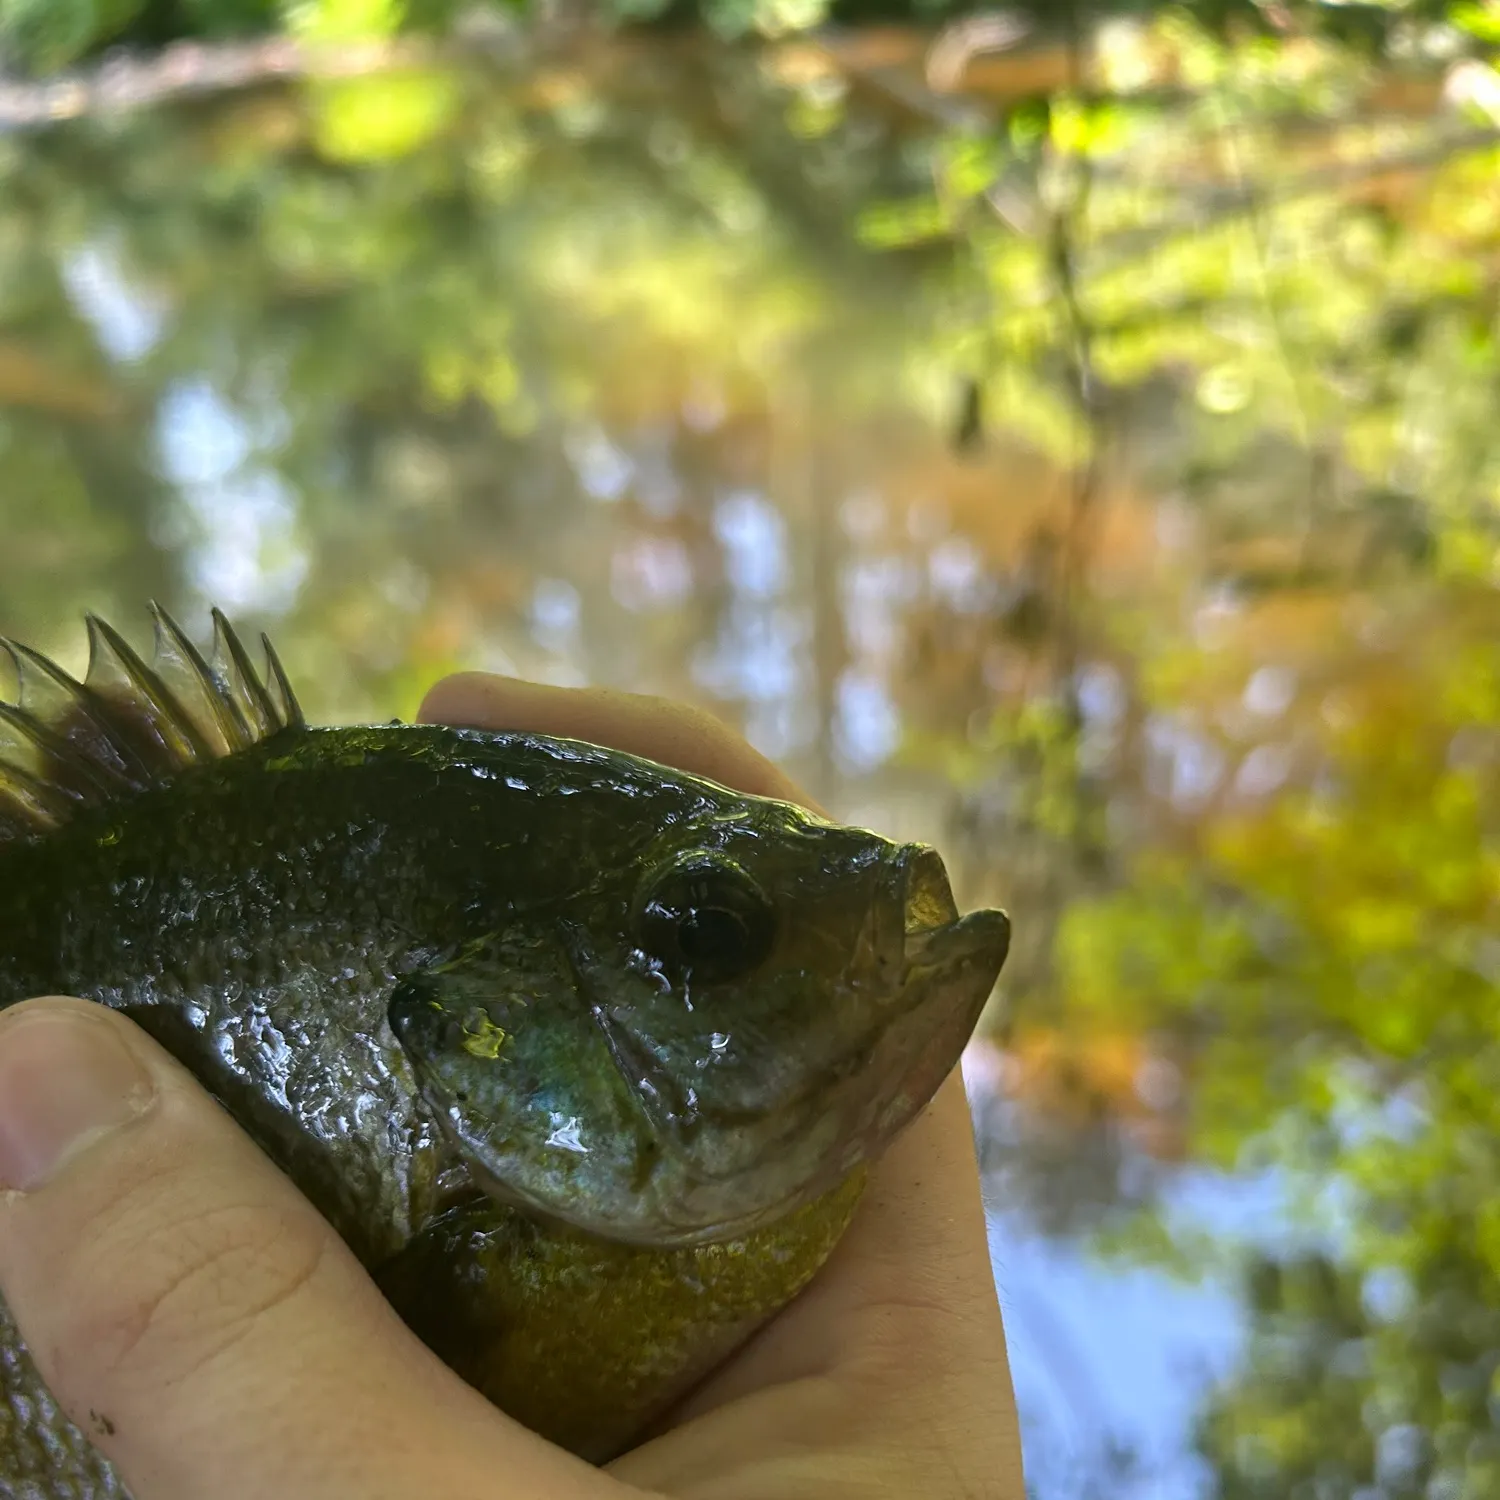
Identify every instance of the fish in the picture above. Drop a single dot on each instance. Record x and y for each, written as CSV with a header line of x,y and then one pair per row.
x,y
586,1058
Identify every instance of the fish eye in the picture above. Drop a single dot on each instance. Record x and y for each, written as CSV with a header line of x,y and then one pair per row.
x,y
706,916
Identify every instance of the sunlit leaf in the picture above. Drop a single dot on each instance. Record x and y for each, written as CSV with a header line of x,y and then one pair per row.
x,y
377,119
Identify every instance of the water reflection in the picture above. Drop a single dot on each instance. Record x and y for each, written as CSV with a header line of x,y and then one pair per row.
x,y
639,369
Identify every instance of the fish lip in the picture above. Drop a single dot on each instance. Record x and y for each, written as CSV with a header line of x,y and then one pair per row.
x,y
980,935
923,889
935,938
915,925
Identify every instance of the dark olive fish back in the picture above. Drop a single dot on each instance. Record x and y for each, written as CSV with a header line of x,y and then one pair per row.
x,y
584,1057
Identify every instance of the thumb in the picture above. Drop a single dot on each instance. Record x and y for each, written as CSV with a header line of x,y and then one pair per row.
x,y
195,1316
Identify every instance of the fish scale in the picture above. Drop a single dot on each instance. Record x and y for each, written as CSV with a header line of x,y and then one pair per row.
x,y
583,1056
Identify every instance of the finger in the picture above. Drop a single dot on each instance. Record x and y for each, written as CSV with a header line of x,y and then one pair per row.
x,y
672,734
193,1313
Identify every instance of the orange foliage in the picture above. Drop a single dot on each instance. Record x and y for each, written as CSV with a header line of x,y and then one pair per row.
x,y
1078,1081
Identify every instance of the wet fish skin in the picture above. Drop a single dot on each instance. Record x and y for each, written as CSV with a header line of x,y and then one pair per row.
x,y
583,1056
534,1315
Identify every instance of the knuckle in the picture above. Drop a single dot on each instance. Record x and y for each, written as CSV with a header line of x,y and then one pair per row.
x,y
178,1291
911,1335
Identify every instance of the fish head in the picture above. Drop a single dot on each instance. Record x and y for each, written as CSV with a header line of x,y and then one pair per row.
x,y
734,1022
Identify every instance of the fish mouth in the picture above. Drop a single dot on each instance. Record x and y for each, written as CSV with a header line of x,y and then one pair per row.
x,y
926,898
944,967
935,938
914,932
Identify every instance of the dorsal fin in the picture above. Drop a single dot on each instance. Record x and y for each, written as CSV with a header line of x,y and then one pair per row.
x,y
128,725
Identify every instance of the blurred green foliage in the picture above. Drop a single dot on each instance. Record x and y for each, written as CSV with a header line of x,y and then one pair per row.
x,y
1270,852
42,36
404,294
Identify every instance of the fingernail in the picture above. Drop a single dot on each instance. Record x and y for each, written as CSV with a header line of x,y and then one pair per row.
x,y
66,1079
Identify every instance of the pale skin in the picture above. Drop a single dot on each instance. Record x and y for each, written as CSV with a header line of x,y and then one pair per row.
x,y
199,1319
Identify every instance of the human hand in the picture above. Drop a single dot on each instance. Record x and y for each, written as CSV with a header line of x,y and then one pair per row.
x,y
203,1323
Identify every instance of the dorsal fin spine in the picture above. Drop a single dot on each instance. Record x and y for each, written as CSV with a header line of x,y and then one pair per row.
x,y
168,714
245,673
97,779
91,712
231,724
69,745
290,710
20,782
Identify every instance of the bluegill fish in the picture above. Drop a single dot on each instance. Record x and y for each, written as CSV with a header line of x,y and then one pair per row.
x,y
583,1056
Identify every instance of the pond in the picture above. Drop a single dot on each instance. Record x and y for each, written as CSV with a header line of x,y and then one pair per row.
x,y
1093,470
